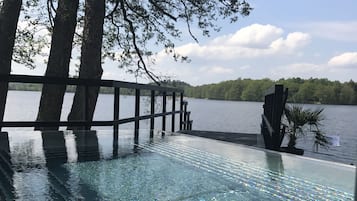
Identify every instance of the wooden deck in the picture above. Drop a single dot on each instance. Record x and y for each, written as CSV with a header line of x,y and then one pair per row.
x,y
249,139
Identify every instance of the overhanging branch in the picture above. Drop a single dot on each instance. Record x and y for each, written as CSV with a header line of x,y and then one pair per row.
x,y
158,7
141,62
187,17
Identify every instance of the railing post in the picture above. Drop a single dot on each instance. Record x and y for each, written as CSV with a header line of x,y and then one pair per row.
x,y
163,111
152,112
116,119
188,120
181,110
137,113
116,108
173,112
185,116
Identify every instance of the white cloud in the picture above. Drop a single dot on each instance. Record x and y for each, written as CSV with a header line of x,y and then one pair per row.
x,y
250,42
254,36
293,41
245,67
303,70
332,30
247,52
216,70
330,69
347,59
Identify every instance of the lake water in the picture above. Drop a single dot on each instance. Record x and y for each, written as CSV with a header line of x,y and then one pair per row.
x,y
212,115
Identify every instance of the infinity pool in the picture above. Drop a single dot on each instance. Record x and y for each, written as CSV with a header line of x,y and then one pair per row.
x,y
92,166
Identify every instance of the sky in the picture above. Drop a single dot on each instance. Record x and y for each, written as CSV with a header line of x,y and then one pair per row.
x,y
279,39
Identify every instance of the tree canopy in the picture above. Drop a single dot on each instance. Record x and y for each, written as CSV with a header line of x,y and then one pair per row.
x,y
133,30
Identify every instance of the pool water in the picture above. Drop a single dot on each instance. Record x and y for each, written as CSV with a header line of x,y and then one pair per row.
x,y
93,166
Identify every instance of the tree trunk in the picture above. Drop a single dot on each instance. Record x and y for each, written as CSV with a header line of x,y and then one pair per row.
x,y
9,15
91,65
58,61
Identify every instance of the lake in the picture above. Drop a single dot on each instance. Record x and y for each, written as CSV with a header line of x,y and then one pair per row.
x,y
211,115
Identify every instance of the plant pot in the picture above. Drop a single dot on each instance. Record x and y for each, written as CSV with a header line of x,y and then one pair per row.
x,y
293,150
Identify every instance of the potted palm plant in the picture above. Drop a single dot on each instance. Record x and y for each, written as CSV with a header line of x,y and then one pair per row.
x,y
300,122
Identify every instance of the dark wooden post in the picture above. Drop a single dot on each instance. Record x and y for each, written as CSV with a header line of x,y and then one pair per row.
x,y
185,115
116,110
188,121
173,112
267,114
152,112
163,111
181,110
276,116
116,123
137,113
274,103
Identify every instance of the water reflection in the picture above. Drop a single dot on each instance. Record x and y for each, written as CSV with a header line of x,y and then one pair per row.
x,y
87,145
40,164
115,143
275,165
54,147
6,172
66,184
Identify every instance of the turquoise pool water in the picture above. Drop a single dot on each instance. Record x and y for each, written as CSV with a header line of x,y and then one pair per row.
x,y
92,166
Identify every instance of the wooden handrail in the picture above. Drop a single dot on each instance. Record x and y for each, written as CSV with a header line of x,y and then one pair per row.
x,y
166,91
81,81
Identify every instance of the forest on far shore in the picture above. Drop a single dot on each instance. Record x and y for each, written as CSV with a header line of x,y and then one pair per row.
x,y
313,90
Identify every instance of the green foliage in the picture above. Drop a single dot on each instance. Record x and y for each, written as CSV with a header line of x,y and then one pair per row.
x,y
174,83
315,91
300,122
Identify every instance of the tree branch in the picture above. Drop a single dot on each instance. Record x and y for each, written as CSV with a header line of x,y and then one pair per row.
x,y
50,8
162,10
188,22
146,17
110,15
141,62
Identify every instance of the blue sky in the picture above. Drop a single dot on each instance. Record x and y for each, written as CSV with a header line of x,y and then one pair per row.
x,y
280,39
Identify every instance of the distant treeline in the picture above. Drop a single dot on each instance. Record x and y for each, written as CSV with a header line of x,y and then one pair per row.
x,y
70,88
318,91
321,91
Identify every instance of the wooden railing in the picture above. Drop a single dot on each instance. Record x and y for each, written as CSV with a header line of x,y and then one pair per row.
x,y
164,92
274,104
